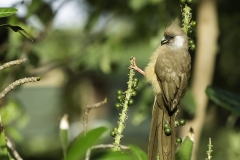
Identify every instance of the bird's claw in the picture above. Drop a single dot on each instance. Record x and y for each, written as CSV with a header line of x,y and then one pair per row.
x,y
135,67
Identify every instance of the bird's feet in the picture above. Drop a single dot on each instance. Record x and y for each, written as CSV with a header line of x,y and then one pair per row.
x,y
136,68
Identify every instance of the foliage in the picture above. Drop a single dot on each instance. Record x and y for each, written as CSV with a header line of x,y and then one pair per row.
x,y
185,150
84,142
81,141
84,53
18,29
11,112
5,12
135,153
224,99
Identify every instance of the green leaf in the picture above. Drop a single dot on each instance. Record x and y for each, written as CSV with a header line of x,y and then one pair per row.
x,y
224,99
64,141
185,150
5,12
118,155
138,153
18,29
135,154
81,144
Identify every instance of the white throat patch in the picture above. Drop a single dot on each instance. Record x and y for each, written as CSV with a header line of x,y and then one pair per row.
x,y
178,41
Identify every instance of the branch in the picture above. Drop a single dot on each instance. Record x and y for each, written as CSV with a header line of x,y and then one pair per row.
x,y
11,63
17,83
15,153
8,143
86,113
204,63
123,115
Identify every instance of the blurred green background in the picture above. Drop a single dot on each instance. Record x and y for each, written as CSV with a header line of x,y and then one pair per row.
x,y
81,49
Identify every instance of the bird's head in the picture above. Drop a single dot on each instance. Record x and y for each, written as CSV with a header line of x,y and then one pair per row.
x,y
174,36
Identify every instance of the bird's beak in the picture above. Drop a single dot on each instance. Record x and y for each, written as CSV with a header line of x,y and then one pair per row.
x,y
164,40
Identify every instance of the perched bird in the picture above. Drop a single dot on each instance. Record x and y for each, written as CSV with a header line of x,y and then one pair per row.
x,y
168,72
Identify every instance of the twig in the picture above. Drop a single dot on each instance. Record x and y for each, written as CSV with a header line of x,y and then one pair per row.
x,y
123,115
86,113
209,150
11,63
8,143
17,83
102,146
15,153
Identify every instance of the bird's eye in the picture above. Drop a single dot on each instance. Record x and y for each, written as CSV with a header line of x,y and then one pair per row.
x,y
169,37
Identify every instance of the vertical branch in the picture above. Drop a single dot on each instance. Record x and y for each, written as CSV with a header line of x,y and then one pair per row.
x,y
209,152
123,114
207,34
187,16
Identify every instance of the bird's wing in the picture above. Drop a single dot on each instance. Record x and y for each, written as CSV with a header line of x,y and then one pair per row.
x,y
172,80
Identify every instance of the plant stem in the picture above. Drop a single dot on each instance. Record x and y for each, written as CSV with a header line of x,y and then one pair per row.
x,y
186,18
209,150
123,114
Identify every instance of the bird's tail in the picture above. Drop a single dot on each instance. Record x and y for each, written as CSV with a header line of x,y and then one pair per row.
x,y
161,141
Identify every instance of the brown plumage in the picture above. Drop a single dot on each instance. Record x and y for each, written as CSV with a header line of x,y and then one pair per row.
x,y
168,72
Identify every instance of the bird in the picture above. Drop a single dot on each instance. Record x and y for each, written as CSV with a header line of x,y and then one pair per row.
x,y
168,71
